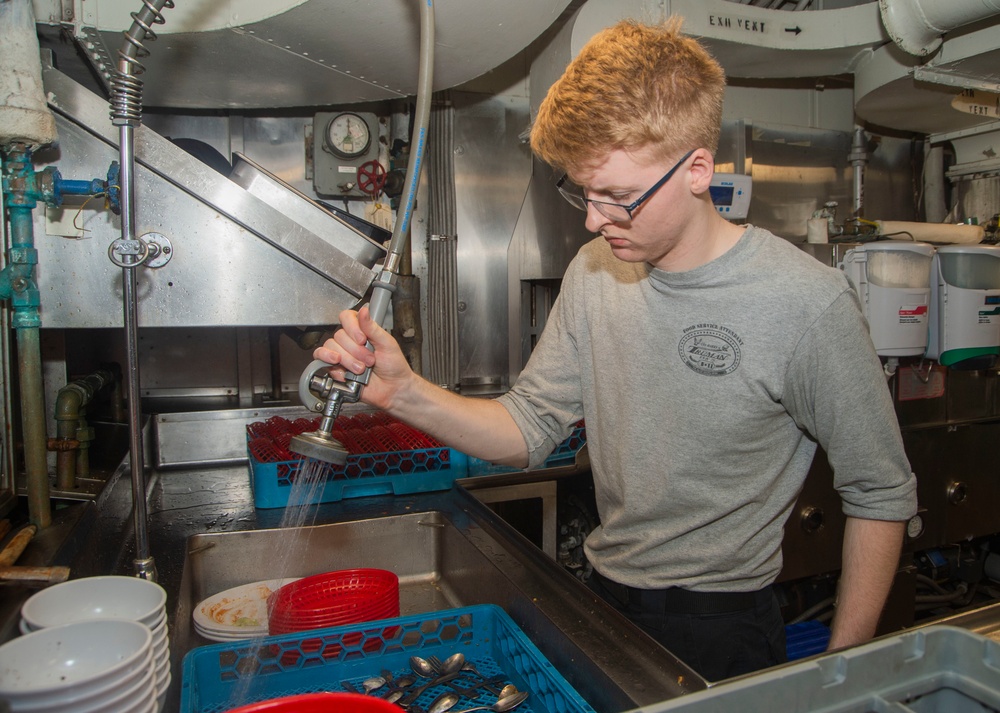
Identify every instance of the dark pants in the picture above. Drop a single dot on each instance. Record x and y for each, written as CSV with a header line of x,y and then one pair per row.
x,y
718,634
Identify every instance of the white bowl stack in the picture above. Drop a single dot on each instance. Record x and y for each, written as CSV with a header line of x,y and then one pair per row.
x,y
95,666
111,597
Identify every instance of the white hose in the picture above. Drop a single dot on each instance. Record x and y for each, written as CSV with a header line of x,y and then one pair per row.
x,y
418,145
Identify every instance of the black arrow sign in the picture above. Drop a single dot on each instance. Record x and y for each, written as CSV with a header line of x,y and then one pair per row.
x,y
796,30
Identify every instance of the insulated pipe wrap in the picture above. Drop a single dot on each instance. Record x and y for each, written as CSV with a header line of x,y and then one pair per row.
x,y
932,232
916,26
24,115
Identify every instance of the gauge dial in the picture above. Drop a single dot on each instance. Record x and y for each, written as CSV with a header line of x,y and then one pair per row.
x,y
348,135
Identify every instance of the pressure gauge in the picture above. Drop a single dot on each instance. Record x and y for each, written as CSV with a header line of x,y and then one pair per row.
x,y
345,146
347,135
915,527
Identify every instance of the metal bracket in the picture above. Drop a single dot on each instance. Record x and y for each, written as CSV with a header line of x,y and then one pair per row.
x,y
160,249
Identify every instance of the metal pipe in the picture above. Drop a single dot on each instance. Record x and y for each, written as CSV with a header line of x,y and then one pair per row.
x,y
858,159
29,363
126,102
935,205
274,349
144,566
70,421
917,26
68,404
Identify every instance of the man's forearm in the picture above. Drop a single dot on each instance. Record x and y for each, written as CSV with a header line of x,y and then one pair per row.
x,y
478,427
871,558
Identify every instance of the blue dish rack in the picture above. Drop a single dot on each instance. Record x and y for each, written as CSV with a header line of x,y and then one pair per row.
x,y
564,454
393,473
219,677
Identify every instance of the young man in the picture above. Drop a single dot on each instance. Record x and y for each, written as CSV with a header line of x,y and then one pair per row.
x,y
708,359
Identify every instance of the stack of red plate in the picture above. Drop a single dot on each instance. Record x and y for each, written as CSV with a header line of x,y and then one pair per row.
x,y
347,596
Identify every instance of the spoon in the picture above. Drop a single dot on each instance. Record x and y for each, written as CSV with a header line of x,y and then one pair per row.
x,y
504,703
453,663
373,684
444,702
422,667
471,668
509,690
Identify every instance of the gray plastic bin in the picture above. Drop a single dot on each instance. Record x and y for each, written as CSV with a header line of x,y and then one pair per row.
x,y
937,669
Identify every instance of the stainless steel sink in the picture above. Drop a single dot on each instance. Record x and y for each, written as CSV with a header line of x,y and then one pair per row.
x,y
437,567
446,558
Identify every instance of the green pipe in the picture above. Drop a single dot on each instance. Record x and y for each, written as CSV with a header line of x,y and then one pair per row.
x,y
22,186
29,361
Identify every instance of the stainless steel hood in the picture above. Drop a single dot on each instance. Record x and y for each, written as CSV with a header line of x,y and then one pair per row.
x,y
240,54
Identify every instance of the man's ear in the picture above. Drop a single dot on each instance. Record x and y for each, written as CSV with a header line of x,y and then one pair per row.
x,y
700,170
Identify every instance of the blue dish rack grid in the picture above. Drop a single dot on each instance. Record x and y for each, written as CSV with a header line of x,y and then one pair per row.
x,y
393,473
564,454
219,677
399,472
386,458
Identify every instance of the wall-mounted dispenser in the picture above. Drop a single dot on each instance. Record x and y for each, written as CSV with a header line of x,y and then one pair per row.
x,y
965,305
893,281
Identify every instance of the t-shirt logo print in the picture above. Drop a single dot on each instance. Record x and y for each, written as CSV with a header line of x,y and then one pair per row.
x,y
710,350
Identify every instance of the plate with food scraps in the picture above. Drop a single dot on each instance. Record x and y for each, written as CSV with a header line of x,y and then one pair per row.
x,y
239,611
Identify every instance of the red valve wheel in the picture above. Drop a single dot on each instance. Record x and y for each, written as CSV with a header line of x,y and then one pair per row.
x,y
371,177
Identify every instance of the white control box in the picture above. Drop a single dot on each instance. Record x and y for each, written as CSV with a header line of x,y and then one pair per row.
x,y
731,195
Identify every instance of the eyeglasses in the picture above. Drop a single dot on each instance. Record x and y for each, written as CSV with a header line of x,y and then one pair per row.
x,y
618,212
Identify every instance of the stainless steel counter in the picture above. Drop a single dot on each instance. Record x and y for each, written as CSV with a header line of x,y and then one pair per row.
x,y
612,664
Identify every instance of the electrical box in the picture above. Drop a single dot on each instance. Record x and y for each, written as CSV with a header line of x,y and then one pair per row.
x,y
893,282
345,154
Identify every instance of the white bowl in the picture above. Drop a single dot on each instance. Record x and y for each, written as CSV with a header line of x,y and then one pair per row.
x,y
146,703
122,698
162,675
72,662
159,635
161,656
98,698
110,597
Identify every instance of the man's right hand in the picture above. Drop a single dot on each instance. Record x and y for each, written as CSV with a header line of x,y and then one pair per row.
x,y
479,427
347,350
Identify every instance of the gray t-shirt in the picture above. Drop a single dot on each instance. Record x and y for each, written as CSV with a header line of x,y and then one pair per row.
x,y
700,391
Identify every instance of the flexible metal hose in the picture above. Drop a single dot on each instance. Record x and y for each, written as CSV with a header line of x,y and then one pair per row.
x,y
126,94
442,267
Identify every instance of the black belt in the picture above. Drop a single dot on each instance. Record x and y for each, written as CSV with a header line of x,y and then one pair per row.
x,y
675,600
